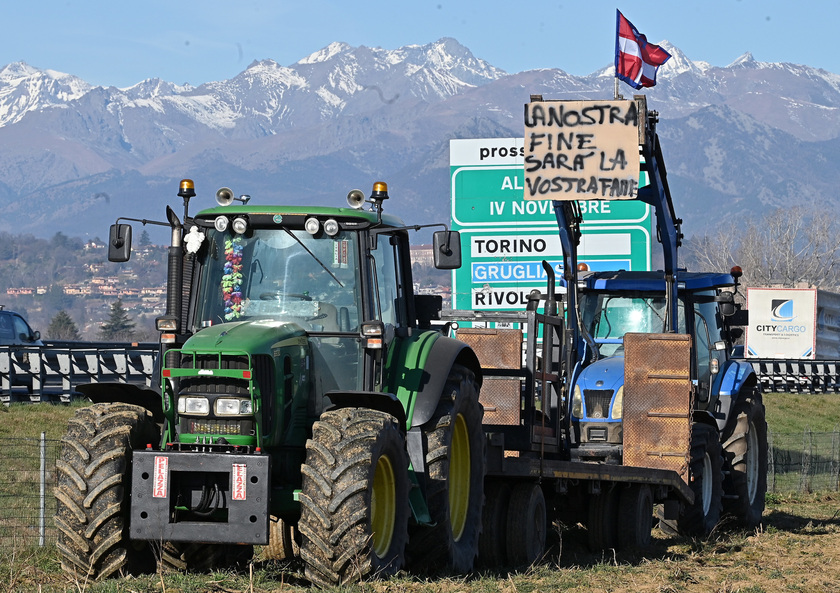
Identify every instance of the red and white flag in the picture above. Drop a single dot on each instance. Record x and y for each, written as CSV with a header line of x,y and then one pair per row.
x,y
636,60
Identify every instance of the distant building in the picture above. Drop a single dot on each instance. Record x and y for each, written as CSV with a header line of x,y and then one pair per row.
x,y
423,255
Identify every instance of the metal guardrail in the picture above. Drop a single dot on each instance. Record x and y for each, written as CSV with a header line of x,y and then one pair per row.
x,y
797,376
51,372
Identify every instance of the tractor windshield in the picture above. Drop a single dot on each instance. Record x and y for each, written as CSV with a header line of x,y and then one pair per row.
x,y
608,317
286,275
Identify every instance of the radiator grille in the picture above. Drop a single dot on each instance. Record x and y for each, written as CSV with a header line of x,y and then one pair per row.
x,y
597,402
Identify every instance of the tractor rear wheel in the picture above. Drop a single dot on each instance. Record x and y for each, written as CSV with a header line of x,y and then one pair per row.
x,y
601,527
492,552
454,441
745,458
354,497
635,516
527,523
93,491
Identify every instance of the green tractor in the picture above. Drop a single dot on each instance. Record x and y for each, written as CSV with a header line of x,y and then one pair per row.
x,y
304,402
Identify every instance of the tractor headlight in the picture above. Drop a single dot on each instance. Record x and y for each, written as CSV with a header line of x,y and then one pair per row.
x,y
312,226
618,404
221,223
240,225
198,406
331,227
228,406
577,403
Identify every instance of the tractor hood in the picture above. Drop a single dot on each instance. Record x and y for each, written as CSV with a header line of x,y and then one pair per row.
x,y
606,373
254,337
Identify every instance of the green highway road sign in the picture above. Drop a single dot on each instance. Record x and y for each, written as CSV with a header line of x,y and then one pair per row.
x,y
505,238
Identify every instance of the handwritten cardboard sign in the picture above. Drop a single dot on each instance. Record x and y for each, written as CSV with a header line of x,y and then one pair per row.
x,y
582,150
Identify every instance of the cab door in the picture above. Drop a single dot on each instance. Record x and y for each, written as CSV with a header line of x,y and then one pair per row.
x,y
390,273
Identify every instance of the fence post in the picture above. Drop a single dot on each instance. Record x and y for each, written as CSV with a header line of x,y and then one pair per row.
x,y
835,458
42,524
805,468
771,460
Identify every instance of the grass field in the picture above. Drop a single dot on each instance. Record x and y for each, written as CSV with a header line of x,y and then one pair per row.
x,y
798,548
794,412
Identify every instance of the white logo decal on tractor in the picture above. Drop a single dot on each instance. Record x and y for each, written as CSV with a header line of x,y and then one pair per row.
x,y
161,477
238,474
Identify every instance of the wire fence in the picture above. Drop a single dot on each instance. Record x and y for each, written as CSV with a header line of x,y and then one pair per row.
x,y
27,479
803,462
797,462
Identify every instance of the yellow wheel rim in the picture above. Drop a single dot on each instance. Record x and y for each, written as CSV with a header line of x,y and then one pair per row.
x,y
459,477
383,506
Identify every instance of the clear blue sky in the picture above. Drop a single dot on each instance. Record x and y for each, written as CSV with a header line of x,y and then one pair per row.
x,y
122,42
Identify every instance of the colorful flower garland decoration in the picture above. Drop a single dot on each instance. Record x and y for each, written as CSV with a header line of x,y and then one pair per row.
x,y
232,278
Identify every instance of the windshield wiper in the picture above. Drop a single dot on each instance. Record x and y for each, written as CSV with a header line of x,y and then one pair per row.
x,y
315,257
655,312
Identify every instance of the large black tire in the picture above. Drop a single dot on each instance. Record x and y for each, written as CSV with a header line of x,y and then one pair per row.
x,y
745,459
354,497
602,523
635,516
706,481
492,552
527,524
454,441
93,490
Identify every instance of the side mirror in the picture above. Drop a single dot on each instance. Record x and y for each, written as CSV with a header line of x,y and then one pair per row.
x,y
29,337
726,302
446,246
428,308
740,317
119,243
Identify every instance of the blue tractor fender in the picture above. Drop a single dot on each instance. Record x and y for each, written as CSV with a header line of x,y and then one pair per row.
x,y
735,380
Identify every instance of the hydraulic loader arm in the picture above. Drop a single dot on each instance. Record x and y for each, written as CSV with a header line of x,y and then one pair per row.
x,y
657,194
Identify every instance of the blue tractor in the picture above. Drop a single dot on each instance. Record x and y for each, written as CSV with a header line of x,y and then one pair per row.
x,y
634,335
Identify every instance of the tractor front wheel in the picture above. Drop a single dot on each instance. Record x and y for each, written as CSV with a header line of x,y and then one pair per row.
x,y
93,490
282,544
354,497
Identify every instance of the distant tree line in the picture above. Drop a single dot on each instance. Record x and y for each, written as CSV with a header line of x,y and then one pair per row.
x,y
118,327
31,262
786,247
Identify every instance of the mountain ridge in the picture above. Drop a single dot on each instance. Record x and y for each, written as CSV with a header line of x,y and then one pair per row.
x,y
74,157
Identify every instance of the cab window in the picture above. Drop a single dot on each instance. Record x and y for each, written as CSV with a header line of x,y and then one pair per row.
x,y
390,307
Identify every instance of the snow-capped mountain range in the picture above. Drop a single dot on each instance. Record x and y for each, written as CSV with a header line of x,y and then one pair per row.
x,y
739,139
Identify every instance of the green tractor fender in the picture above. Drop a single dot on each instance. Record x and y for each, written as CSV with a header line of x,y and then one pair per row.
x,y
375,400
127,393
418,368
